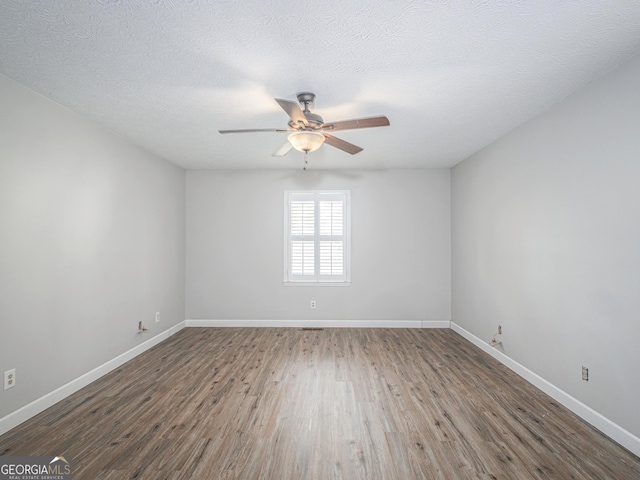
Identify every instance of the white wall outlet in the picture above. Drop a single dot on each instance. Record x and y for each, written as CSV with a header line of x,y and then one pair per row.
x,y
313,304
585,374
500,329
10,379
157,317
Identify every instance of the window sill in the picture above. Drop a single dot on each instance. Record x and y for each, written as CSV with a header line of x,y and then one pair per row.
x,y
316,284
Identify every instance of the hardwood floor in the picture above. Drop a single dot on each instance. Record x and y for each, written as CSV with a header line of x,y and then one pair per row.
x,y
335,403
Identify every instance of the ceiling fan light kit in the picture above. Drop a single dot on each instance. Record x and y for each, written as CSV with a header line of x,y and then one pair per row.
x,y
306,141
308,131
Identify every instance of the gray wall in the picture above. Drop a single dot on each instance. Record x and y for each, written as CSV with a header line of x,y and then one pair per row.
x,y
400,246
91,242
546,242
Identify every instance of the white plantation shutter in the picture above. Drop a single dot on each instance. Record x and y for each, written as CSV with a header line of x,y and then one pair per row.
x,y
331,237
302,258
303,227
316,236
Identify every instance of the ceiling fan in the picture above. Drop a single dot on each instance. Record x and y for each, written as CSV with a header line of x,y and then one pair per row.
x,y
308,131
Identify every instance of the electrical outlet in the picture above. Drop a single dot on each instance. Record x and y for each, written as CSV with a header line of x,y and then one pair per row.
x,y
585,374
10,379
157,317
313,304
500,329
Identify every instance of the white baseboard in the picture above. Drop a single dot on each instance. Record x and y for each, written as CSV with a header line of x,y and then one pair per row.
x,y
23,414
614,431
436,324
321,323
606,426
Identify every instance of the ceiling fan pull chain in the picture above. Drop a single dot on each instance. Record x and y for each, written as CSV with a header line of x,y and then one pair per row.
x,y
305,160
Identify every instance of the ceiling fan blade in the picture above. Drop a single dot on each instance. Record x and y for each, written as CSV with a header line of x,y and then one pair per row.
x,y
251,130
283,150
357,123
293,110
341,144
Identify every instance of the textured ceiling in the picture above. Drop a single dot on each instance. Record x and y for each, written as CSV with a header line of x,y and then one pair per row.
x,y
451,76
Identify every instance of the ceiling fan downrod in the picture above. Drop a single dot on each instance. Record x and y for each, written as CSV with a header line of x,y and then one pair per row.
x,y
305,99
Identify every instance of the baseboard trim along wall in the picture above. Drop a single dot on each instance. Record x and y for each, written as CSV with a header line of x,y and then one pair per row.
x,y
32,409
321,323
606,426
614,431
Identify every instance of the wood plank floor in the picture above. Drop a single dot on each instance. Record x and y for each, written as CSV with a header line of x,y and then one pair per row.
x,y
327,404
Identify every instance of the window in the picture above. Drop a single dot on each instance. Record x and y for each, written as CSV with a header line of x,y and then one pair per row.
x,y
317,231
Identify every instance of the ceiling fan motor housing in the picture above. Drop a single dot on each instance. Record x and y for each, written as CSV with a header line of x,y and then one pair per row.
x,y
314,119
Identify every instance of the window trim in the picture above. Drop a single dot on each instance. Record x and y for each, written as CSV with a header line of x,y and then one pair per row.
x,y
287,281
